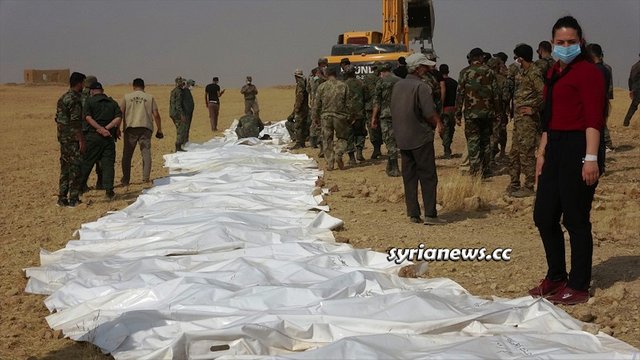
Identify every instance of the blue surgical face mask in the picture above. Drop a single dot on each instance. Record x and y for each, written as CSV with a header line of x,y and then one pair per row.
x,y
566,54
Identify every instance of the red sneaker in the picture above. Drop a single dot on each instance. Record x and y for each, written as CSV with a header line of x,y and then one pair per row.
x,y
568,296
547,287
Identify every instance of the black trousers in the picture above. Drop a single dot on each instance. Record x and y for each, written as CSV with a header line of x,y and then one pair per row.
x,y
562,193
419,165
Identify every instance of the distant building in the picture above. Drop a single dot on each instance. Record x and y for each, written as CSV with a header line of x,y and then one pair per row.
x,y
33,76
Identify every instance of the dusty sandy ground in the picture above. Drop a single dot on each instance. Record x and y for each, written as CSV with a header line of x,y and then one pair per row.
x,y
370,203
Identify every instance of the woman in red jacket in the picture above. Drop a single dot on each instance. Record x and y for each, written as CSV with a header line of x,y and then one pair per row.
x,y
568,164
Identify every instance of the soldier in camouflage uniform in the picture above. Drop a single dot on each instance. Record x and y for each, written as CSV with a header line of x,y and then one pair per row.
x,y
103,115
430,79
250,92
527,103
178,114
298,122
478,95
370,82
315,135
499,134
381,116
545,61
189,105
249,126
72,142
85,95
356,103
331,111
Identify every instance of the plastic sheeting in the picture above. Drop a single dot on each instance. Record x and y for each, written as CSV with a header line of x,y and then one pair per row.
x,y
231,256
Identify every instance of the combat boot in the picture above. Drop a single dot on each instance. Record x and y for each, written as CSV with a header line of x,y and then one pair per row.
x,y
352,159
313,142
339,162
376,152
179,148
392,168
359,155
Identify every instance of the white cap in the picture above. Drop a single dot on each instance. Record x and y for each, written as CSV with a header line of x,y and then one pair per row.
x,y
416,59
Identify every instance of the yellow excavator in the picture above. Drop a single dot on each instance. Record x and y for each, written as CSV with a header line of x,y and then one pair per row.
x,y
402,21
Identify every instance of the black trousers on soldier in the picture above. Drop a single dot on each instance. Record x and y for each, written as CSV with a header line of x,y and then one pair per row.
x,y
103,149
563,194
419,166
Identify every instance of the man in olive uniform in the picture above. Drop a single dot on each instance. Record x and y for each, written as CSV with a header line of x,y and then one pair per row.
x,y
85,95
249,125
375,134
499,134
250,92
381,117
478,95
527,103
315,136
178,113
72,142
297,123
358,128
332,113
103,115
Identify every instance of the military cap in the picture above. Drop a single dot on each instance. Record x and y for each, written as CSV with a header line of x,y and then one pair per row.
x,y
179,80
385,67
298,73
249,78
502,56
90,80
475,52
416,59
494,63
95,85
191,82
524,51
323,61
345,61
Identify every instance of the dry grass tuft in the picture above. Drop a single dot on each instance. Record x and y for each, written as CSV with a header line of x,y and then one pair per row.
x,y
457,188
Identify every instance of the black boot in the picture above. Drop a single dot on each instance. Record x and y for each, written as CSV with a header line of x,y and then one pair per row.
x,y
376,152
359,155
352,159
179,148
392,168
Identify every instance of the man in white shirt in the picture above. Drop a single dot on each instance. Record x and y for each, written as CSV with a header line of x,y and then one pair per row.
x,y
139,111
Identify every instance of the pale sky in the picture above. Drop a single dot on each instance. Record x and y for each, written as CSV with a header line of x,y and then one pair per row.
x,y
268,39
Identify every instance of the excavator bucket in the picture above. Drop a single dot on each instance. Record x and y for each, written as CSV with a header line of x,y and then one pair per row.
x,y
420,19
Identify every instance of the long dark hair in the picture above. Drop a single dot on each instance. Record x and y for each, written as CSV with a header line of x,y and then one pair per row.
x,y
571,23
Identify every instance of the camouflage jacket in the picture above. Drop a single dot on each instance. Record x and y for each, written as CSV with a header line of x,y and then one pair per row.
x,y
434,85
477,93
176,103
249,126
356,98
544,65
301,106
312,85
382,95
69,114
249,91
528,88
332,98
370,81
84,95
504,91
187,101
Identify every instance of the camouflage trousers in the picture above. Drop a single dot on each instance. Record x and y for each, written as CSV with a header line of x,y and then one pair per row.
x,y
449,122
356,136
523,150
499,134
182,129
301,127
478,134
251,107
103,150
70,162
388,137
375,135
340,125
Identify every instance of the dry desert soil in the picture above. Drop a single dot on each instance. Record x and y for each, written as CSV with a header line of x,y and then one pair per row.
x,y
370,203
